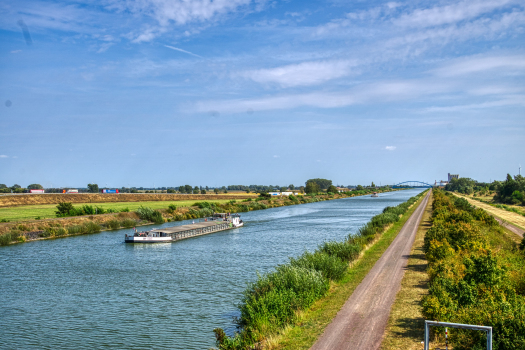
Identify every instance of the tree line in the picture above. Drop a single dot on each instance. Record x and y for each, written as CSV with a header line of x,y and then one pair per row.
x,y
509,191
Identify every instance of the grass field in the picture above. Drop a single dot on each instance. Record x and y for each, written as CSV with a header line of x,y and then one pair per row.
x,y
406,324
314,321
30,212
55,198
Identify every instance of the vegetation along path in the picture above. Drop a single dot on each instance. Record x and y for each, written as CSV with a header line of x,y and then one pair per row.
x,y
511,221
361,322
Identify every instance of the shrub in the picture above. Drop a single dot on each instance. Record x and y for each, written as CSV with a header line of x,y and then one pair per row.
x,y
242,208
124,210
331,267
156,217
343,250
272,301
5,238
144,213
63,208
113,224
128,223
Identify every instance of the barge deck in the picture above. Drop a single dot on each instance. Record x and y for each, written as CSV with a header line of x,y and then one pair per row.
x,y
177,233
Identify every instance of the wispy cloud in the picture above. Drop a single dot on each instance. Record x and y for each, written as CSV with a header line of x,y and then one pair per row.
x,y
383,91
390,148
16,51
453,13
518,100
3,156
177,12
302,74
477,64
181,50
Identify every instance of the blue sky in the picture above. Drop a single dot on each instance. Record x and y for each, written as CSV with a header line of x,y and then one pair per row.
x,y
198,92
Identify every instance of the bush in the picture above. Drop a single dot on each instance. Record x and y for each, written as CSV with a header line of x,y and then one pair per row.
x,y
113,224
5,238
128,223
331,267
63,209
343,250
144,213
272,301
475,275
202,205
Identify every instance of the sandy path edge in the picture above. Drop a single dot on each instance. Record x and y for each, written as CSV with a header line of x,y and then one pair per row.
x,y
362,320
494,212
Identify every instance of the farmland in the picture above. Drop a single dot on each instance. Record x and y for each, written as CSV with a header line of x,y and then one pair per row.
x,y
51,198
47,211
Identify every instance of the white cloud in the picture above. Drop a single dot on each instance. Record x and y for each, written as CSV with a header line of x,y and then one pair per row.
x,y
470,65
16,51
483,28
518,100
383,92
179,12
390,148
3,156
276,156
453,13
302,74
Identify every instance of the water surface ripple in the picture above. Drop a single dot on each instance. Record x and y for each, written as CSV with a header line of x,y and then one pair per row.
x,y
94,291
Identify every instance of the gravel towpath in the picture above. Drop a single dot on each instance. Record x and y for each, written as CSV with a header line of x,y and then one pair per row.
x,y
361,322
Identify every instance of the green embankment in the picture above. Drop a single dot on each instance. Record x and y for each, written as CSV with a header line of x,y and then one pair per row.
x,y
477,275
289,307
18,232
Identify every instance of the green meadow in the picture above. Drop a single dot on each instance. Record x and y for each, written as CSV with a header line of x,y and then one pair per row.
x,y
47,211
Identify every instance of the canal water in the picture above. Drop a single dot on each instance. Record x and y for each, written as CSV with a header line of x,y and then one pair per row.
x,y
94,291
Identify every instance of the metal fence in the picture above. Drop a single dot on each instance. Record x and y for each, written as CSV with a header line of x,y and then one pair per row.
x,y
457,325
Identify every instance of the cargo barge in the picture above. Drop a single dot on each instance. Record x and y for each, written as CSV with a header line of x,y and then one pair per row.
x,y
219,222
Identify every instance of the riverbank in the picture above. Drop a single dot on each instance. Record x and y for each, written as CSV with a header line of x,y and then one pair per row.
x,y
290,307
20,232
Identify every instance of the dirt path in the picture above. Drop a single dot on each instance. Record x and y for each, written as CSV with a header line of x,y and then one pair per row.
x,y
511,221
361,322
510,227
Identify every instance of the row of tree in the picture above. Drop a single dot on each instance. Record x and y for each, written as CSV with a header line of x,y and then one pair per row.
x,y
312,186
19,189
510,191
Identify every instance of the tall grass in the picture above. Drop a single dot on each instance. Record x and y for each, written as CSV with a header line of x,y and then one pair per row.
x,y
148,214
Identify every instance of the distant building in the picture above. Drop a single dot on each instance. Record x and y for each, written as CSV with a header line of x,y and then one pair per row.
x,y
284,193
450,177
440,184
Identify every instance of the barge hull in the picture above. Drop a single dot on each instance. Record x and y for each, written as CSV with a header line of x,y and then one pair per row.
x,y
178,233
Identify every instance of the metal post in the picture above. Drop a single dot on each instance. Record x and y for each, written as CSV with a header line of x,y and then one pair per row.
x,y
426,336
446,338
489,339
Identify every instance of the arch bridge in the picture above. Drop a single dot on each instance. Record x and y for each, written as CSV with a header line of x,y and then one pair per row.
x,y
412,184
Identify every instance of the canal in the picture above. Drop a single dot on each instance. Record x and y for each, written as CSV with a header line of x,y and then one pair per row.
x,y
94,291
